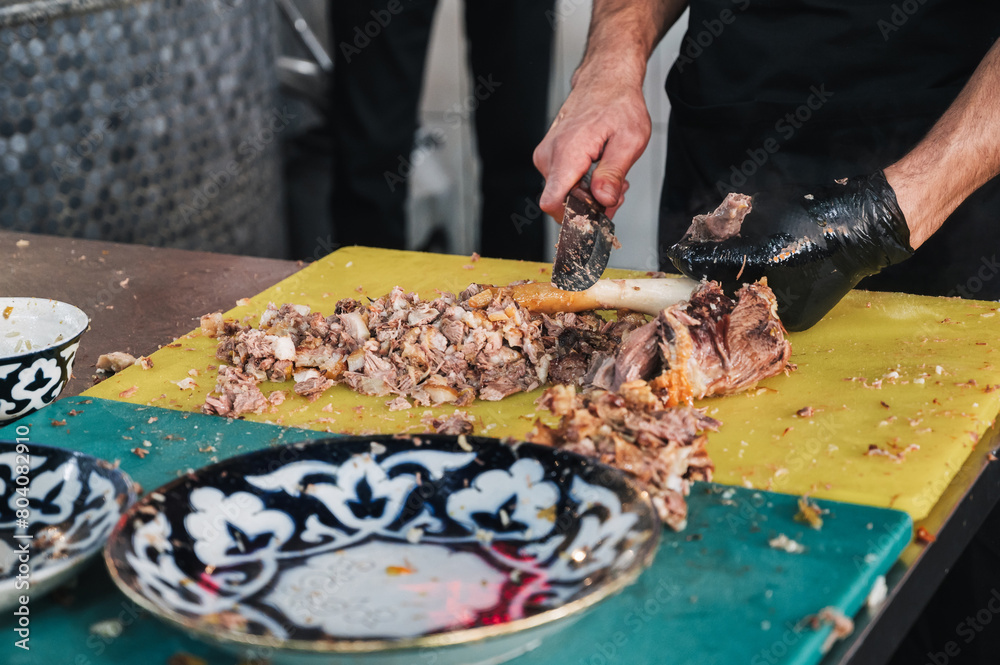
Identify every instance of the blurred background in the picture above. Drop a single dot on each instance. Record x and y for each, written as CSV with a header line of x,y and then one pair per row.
x,y
205,125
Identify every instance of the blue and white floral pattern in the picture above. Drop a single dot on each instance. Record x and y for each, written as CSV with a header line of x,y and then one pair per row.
x,y
33,381
380,538
38,342
72,501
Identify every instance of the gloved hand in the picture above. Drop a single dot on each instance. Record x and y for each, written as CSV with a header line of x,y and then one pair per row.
x,y
813,245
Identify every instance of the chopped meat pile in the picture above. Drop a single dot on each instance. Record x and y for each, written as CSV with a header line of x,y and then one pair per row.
x,y
438,352
710,345
636,431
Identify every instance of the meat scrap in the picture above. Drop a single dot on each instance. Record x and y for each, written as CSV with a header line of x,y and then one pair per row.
x,y
634,430
211,324
843,625
110,364
459,422
710,345
724,223
238,394
810,513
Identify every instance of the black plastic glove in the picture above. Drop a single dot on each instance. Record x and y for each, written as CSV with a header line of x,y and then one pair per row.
x,y
813,245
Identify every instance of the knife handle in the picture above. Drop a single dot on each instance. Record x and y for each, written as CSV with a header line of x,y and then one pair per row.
x,y
582,191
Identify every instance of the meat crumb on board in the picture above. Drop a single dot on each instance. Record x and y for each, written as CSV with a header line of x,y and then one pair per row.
x,y
109,364
842,625
810,513
874,450
400,403
460,422
783,542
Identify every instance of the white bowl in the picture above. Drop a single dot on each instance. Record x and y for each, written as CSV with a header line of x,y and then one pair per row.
x,y
38,343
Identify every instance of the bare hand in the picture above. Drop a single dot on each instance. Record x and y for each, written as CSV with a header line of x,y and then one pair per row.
x,y
604,118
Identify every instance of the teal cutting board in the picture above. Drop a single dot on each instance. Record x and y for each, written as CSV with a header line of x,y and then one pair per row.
x,y
716,593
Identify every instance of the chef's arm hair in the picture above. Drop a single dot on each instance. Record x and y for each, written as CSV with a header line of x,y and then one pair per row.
x,y
625,32
605,116
959,154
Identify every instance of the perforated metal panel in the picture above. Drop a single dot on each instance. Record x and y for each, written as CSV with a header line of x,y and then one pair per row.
x,y
149,122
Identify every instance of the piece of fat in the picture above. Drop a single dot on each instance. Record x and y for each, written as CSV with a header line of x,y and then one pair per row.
x,y
283,347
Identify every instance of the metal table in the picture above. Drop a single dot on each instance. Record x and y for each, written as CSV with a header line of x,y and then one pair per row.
x,y
140,298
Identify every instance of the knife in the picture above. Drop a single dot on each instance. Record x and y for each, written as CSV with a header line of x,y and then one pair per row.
x,y
586,239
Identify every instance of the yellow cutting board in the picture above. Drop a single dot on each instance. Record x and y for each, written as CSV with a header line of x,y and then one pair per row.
x,y
917,377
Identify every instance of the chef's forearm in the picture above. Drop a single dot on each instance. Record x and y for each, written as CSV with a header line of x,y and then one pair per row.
x,y
958,155
623,34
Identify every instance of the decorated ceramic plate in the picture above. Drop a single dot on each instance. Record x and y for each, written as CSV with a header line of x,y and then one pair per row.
x,y
57,508
365,549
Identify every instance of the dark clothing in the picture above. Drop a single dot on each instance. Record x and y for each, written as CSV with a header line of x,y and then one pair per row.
x,y
770,93
376,90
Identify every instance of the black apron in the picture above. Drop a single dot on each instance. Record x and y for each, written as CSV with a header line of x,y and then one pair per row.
x,y
771,93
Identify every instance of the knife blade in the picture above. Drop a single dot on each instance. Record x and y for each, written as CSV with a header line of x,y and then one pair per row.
x,y
586,239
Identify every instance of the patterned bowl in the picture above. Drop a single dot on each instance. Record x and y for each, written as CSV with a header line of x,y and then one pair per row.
x,y
382,549
57,508
38,342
